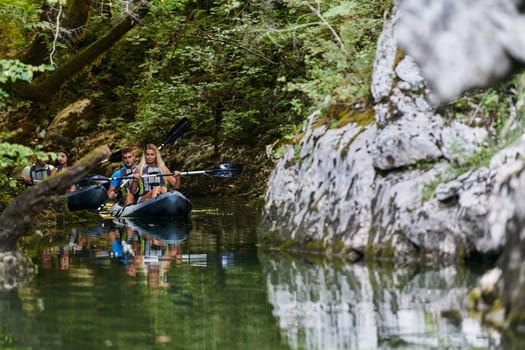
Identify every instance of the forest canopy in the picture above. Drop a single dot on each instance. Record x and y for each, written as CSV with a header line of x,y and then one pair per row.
x,y
247,73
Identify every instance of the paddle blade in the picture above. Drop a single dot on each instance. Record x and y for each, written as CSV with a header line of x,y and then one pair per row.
x,y
177,131
115,157
92,180
226,170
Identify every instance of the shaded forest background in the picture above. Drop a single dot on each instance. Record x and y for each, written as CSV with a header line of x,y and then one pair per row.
x,y
77,74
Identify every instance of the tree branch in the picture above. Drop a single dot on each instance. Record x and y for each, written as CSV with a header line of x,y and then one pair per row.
x,y
44,89
317,12
18,217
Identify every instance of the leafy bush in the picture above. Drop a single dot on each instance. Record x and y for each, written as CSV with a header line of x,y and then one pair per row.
x,y
247,72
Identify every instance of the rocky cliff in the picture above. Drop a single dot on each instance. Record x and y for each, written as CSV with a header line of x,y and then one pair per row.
x,y
362,188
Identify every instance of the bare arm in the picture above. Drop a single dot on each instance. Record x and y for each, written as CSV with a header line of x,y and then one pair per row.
x,y
135,181
174,180
111,192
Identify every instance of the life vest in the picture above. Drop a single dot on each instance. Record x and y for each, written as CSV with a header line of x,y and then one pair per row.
x,y
149,180
126,183
153,252
39,173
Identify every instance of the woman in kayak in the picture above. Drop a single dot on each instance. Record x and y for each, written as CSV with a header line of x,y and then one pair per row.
x,y
150,178
63,162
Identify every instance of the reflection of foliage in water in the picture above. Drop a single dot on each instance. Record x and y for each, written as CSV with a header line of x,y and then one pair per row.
x,y
193,307
94,302
6,338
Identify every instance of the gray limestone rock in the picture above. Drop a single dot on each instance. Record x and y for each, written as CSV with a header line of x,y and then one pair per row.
x,y
369,187
363,186
462,44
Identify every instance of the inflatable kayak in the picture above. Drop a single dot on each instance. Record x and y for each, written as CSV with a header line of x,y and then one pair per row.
x,y
87,198
172,204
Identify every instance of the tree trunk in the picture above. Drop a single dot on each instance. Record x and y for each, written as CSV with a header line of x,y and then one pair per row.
x,y
43,90
18,217
73,20
38,51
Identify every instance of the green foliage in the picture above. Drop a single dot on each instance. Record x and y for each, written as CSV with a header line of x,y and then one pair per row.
x,y
212,69
429,189
159,106
13,70
242,83
18,18
11,156
297,153
486,107
500,109
166,8
337,42
7,339
245,73
479,159
14,155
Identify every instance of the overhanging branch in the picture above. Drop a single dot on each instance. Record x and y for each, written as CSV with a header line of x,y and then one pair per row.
x,y
44,89
18,217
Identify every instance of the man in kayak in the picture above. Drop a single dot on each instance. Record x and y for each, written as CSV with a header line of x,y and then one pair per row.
x,y
129,165
151,175
37,172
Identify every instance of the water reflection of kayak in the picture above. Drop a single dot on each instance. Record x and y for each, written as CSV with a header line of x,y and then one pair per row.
x,y
172,204
95,230
169,231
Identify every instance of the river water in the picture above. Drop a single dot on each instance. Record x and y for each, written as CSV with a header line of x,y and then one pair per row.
x,y
204,284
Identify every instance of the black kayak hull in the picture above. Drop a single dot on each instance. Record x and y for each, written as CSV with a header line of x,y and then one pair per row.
x,y
172,204
87,198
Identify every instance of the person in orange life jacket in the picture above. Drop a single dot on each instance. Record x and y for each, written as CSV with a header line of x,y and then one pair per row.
x,y
62,162
37,172
151,186
127,168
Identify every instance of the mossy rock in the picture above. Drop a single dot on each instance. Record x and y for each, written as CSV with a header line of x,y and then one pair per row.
x,y
362,118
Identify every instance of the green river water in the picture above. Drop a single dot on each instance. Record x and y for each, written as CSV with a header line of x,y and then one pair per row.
x,y
204,284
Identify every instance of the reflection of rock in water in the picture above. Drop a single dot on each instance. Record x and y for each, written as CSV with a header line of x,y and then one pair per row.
x,y
15,269
357,307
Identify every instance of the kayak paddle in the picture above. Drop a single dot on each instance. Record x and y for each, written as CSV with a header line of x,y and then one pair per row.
x,y
176,131
221,170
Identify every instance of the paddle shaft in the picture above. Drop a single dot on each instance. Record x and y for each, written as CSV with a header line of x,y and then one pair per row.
x,y
176,131
182,173
223,170
143,176
194,172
